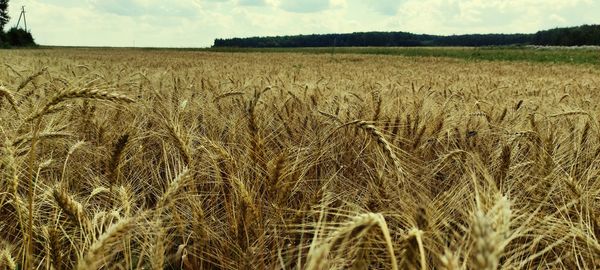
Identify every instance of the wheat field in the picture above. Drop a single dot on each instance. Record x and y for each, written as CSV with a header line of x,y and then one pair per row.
x,y
133,159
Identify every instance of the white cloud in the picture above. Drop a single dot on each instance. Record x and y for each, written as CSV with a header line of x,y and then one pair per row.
x,y
386,7
252,2
158,8
304,6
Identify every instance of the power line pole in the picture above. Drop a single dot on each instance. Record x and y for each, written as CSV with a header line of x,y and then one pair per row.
x,y
22,15
24,18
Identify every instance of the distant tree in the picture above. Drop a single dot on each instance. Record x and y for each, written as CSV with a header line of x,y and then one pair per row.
x,y
380,39
3,42
570,36
3,14
18,37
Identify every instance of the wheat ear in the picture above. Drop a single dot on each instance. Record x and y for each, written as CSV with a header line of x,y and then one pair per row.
x,y
356,227
173,187
30,78
9,97
449,261
490,233
6,260
87,93
70,206
10,170
414,250
180,143
113,166
97,253
382,141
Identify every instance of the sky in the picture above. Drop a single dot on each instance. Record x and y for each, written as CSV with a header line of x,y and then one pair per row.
x,y
196,23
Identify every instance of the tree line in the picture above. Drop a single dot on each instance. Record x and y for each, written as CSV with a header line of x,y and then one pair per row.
x,y
568,36
14,37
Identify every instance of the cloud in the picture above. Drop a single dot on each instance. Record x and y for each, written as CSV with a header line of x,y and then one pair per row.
x,y
180,8
385,7
305,6
257,3
492,16
70,3
123,8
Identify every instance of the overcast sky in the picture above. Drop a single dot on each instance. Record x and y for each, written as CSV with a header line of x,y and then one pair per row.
x,y
196,23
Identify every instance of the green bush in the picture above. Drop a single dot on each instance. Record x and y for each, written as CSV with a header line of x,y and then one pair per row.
x,y
17,37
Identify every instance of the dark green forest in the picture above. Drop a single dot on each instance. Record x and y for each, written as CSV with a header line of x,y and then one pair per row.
x,y
568,36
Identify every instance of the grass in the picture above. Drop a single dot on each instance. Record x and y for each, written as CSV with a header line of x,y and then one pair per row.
x,y
165,159
574,56
556,55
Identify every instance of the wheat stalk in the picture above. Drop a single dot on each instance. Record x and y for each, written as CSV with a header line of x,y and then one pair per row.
x,y
414,252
